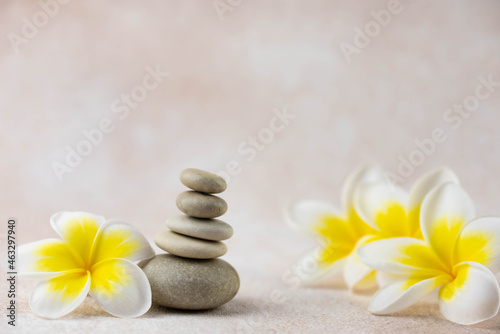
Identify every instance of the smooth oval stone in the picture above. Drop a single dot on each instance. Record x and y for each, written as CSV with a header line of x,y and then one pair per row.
x,y
189,284
185,246
209,229
203,181
200,205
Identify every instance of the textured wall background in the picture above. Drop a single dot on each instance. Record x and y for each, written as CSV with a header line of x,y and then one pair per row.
x,y
231,68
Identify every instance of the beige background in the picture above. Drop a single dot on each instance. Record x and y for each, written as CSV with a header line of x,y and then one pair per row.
x,y
226,78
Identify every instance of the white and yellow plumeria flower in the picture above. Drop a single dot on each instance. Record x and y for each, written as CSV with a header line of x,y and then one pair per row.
x,y
339,232
94,257
392,212
458,254
374,209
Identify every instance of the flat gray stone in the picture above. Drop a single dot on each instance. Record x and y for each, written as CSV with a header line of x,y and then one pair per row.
x,y
209,229
189,284
200,205
189,247
203,181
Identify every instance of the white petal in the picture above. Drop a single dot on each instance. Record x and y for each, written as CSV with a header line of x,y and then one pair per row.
x,y
429,181
355,270
364,173
402,294
384,279
63,220
45,259
117,239
368,282
79,229
61,295
304,216
479,241
374,199
445,211
121,288
401,256
473,296
309,270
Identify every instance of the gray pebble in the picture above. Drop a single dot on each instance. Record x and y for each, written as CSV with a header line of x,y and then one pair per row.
x,y
181,245
200,205
203,181
190,284
209,229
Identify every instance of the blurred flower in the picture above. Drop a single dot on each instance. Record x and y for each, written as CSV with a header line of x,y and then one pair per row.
x,y
392,212
94,257
458,254
373,209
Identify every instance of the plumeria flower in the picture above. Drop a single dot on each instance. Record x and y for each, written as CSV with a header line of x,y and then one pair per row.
x,y
373,209
458,254
392,212
339,232
94,257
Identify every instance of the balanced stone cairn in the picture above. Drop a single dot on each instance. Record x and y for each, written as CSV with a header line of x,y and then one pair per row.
x,y
191,277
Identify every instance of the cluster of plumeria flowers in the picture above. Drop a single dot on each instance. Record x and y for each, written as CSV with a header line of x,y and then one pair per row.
x,y
408,244
94,257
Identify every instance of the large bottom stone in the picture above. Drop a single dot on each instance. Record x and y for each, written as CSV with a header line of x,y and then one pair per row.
x,y
190,284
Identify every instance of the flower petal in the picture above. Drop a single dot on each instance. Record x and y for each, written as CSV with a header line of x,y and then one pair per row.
x,y
364,173
383,207
79,229
404,293
429,181
422,187
473,296
368,282
117,239
304,216
354,269
445,211
401,256
46,259
384,279
121,288
61,295
310,269
479,241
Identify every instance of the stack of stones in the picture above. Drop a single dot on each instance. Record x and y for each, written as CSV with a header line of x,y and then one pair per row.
x,y
196,234
191,277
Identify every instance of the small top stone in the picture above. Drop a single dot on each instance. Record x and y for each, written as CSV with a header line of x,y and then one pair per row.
x,y
203,181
